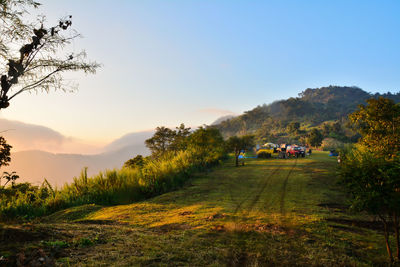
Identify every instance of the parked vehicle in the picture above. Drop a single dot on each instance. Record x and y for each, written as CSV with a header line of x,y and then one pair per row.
x,y
284,151
295,151
282,154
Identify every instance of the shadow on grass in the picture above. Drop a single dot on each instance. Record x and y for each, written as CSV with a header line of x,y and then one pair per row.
x,y
72,214
371,225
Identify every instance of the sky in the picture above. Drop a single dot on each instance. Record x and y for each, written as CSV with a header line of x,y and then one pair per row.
x,y
191,61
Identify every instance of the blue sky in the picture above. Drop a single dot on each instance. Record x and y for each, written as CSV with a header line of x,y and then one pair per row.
x,y
167,62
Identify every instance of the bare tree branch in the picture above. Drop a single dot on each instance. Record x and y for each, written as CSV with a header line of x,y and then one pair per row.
x,y
41,60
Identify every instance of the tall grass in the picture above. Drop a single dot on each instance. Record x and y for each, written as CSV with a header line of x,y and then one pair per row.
x,y
107,188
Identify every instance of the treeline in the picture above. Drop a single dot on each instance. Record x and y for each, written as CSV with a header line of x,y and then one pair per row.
x,y
325,109
176,155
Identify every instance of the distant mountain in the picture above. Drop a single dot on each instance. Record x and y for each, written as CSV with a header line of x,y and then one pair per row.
x,y
321,104
33,166
311,108
130,139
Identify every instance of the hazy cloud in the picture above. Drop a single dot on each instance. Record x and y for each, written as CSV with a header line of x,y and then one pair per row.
x,y
217,111
24,136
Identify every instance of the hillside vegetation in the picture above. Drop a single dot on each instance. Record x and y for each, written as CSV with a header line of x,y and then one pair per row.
x,y
269,212
325,108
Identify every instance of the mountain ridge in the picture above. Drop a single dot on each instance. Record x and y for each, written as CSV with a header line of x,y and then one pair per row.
x,y
312,108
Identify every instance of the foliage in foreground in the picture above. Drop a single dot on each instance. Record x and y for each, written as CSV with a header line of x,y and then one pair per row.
x,y
154,177
374,185
4,152
371,171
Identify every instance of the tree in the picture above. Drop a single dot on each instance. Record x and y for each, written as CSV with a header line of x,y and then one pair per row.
x,y
237,144
315,138
374,184
378,122
5,159
371,171
10,177
161,141
207,144
31,55
165,139
180,139
4,152
136,162
11,12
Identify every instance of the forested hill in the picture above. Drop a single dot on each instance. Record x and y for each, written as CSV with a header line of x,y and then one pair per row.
x,y
312,108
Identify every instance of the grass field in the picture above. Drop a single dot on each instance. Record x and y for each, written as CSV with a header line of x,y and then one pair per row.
x,y
269,212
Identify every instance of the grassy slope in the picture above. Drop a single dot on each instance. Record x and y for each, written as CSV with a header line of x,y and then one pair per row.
x,y
283,212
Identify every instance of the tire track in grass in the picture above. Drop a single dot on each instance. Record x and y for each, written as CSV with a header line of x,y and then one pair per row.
x,y
283,191
257,194
262,185
261,190
233,199
240,253
237,255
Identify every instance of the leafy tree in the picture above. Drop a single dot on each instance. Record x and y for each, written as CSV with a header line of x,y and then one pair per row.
x,y
315,138
371,171
165,139
31,55
374,184
180,139
378,122
161,141
4,161
236,144
4,152
136,162
207,144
